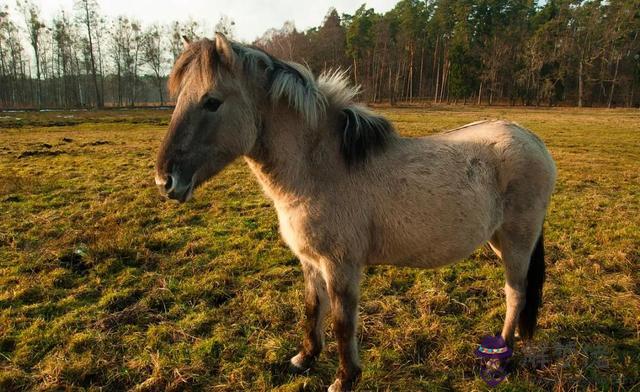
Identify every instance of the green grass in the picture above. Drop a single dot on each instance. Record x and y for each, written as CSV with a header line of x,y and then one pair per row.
x,y
104,284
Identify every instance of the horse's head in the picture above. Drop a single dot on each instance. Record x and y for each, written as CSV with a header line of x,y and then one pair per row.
x,y
214,120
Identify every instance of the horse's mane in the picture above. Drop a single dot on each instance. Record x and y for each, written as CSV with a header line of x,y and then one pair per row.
x,y
363,130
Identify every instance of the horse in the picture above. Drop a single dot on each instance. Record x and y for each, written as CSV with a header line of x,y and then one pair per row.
x,y
349,191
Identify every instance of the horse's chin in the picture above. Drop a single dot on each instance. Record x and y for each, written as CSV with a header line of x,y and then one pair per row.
x,y
199,178
189,195
196,182
183,196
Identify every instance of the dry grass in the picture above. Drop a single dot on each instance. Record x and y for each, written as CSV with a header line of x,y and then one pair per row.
x,y
103,284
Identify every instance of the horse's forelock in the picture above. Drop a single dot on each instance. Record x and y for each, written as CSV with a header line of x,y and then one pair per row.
x,y
200,54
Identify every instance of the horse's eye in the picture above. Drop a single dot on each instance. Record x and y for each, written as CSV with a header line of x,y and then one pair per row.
x,y
211,104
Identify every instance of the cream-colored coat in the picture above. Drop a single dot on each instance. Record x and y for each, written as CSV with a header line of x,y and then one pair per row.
x,y
420,202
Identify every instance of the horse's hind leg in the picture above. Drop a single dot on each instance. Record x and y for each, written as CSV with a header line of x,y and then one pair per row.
x,y
519,246
316,306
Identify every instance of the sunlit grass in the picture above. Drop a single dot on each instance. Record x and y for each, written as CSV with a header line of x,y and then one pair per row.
x,y
105,284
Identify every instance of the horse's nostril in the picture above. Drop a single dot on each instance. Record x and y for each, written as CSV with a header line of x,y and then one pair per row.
x,y
168,185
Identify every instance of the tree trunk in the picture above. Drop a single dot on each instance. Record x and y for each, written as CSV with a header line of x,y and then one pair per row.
x,y
99,102
159,81
445,82
421,72
3,75
580,84
119,82
410,76
101,71
38,79
391,101
436,70
397,80
613,82
135,75
355,71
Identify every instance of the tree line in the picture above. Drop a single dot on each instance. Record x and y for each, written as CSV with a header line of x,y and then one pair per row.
x,y
518,52
80,59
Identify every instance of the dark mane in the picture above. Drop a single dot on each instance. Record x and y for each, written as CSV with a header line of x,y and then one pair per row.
x,y
364,132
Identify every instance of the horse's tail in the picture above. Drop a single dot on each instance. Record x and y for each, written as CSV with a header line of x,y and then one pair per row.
x,y
535,280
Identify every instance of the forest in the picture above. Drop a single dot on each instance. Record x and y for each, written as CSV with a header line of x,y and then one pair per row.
x,y
486,52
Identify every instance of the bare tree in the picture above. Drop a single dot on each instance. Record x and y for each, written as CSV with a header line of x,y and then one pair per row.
x,y
119,44
176,44
154,55
87,14
134,59
13,62
31,13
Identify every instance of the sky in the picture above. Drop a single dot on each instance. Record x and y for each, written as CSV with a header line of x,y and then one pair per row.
x,y
252,17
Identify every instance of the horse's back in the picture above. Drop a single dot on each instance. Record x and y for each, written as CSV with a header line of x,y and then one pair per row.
x,y
513,144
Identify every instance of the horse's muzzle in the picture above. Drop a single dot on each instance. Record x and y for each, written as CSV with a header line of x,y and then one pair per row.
x,y
172,187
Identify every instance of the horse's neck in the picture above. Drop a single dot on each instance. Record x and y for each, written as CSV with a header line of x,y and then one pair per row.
x,y
286,157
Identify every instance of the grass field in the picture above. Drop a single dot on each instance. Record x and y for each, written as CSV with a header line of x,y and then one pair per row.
x,y
104,284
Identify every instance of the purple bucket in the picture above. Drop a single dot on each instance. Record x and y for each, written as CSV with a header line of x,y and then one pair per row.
x,y
494,352
493,347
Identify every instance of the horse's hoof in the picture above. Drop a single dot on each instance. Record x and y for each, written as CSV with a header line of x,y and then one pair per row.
x,y
300,363
338,386
346,381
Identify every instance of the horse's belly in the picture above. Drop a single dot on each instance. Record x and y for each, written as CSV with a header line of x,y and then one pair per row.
x,y
438,256
440,231
432,251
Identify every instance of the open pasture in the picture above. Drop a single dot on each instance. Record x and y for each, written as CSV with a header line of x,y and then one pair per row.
x,y
104,284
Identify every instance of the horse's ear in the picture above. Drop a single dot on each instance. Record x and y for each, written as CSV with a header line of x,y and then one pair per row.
x,y
225,51
186,41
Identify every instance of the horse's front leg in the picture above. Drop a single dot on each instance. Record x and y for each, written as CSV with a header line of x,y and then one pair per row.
x,y
316,304
343,284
